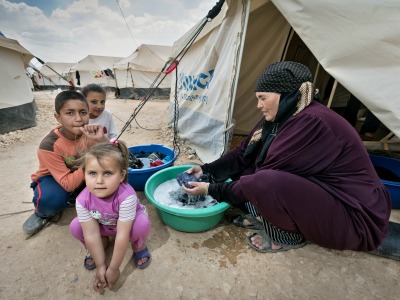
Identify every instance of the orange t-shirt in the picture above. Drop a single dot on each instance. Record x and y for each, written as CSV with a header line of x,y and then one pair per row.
x,y
56,155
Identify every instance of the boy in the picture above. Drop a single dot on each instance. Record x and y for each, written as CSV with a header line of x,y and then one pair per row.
x,y
57,178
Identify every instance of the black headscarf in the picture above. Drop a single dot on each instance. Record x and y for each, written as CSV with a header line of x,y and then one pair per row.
x,y
283,77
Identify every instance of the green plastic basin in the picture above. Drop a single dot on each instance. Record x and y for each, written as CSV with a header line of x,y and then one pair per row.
x,y
187,220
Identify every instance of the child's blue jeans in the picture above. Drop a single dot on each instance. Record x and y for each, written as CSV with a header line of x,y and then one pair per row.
x,y
49,197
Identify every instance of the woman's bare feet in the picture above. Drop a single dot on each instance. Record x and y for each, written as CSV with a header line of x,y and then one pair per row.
x,y
247,221
257,241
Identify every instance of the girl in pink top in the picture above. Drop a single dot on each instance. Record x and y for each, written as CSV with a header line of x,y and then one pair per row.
x,y
109,206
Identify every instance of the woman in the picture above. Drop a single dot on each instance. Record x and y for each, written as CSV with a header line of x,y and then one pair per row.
x,y
303,169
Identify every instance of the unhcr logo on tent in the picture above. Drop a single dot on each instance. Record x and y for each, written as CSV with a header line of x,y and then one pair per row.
x,y
195,82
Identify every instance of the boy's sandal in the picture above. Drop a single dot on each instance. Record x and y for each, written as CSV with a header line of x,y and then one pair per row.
x,y
267,244
238,220
141,254
88,266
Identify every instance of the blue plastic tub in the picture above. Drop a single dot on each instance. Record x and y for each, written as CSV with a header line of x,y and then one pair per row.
x,y
392,165
137,178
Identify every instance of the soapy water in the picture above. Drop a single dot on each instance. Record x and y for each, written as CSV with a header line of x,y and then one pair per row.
x,y
171,194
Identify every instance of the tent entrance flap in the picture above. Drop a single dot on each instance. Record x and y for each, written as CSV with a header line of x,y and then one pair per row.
x,y
205,78
217,77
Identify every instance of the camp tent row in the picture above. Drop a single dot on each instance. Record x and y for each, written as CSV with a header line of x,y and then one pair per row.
x,y
95,69
17,103
132,76
352,43
48,77
141,70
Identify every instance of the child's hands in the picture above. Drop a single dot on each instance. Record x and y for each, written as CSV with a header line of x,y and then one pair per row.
x,y
93,131
112,276
100,281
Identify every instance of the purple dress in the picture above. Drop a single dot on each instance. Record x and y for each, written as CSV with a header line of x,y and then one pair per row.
x,y
316,179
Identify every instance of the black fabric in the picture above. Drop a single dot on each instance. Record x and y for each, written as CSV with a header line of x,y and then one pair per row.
x,y
283,77
184,178
78,78
222,190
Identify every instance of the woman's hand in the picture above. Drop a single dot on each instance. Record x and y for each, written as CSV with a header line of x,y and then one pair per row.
x,y
100,281
112,276
199,188
196,171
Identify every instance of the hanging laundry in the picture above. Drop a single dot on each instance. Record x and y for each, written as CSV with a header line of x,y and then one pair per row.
x,y
78,78
108,72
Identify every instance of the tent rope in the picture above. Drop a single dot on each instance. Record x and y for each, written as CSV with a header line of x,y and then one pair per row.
x,y
172,65
175,142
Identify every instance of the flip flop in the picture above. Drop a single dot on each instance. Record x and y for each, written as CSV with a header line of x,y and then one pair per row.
x,y
88,266
267,244
238,220
141,254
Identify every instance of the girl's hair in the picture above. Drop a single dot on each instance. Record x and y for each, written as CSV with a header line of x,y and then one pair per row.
x,y
93,88
118,149
66,96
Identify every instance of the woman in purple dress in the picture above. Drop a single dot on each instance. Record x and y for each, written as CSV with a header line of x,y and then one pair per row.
x,y
303,171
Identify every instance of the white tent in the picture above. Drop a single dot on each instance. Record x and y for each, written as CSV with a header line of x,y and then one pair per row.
x,y
95,69
355,42
17,103
48,79
139,71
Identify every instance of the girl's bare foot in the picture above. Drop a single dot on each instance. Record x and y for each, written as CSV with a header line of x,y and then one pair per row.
x,y
142,260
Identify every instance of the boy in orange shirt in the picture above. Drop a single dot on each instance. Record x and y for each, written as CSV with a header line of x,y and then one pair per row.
x,y
57,178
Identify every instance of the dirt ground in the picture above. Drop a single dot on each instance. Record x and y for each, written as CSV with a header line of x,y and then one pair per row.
x,y
216,264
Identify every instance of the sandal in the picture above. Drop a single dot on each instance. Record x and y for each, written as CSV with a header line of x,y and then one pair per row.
x,y
267,245
141,254
88,266
238,220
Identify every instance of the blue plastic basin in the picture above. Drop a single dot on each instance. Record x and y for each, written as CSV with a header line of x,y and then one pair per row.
x,y
137,178
392,165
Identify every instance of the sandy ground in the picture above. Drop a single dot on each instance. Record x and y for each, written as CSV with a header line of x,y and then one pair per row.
x,y
216,264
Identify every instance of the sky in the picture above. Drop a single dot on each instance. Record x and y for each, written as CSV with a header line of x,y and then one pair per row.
x,y
69,30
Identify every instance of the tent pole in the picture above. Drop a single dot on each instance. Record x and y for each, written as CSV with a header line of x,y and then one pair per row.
x,y
332,94
316,73
288,40
239,55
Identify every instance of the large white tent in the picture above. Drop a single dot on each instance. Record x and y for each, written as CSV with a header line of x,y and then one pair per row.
x,y
49,77
355,42
95,69
17,103
139,71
